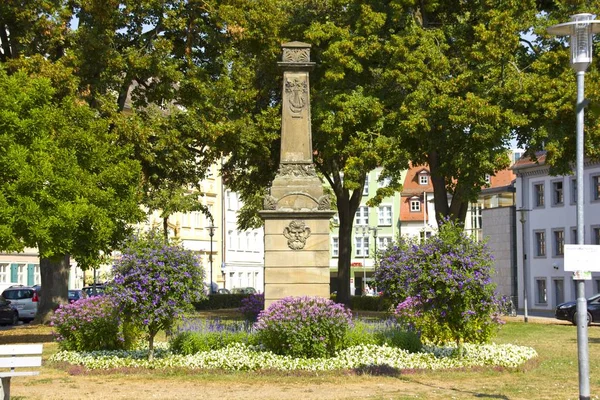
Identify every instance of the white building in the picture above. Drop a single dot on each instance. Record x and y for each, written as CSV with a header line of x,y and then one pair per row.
x,y
550,223
243,251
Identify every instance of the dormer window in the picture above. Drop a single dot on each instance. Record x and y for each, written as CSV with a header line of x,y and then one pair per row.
x,y
415,204
423,178
488,179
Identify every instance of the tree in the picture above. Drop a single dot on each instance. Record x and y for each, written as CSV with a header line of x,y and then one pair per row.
x,y
155,282
158,61
348,118
442,286
66,187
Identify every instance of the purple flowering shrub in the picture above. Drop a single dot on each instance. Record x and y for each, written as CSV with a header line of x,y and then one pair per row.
x,y
442,286
304,327
252,306
155,282
88,324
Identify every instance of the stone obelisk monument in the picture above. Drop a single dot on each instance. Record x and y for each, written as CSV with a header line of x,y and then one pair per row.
x,y
296,211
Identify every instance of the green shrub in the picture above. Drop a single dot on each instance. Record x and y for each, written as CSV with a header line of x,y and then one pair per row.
x,y
220,301
189,342
88,324
361,333
371,303
304,327
380,333
405,340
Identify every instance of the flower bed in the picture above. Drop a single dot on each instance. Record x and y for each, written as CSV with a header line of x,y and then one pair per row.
x,y
241,357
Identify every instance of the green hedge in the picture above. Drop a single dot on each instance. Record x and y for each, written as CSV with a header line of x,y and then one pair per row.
x,y
357,303
220,301
368,303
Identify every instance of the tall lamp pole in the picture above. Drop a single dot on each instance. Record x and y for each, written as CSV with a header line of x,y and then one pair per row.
x,y
523,219
580,30
365,230
211,232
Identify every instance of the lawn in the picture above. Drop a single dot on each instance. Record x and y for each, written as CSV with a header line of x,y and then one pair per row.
x,y
553,375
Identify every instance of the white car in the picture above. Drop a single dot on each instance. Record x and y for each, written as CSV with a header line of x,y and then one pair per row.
x,y
25,299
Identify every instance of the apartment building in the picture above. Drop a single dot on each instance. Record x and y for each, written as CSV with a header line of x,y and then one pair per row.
x,y
548,222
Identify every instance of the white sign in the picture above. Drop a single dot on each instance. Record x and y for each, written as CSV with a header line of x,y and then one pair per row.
x,y
582,257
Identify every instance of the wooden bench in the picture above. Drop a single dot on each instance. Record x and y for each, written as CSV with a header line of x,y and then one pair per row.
x,y
17,356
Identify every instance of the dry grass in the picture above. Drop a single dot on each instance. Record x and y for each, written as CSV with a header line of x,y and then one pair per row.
x,y
554,375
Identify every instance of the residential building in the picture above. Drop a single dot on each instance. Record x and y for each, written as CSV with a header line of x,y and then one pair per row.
x,y
417,208
373,230
243,251
548,222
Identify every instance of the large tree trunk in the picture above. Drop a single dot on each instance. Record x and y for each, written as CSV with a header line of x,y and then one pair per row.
x,y
54,274
347,206
457,209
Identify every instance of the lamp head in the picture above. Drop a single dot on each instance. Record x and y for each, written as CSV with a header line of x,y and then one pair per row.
x,y
580,30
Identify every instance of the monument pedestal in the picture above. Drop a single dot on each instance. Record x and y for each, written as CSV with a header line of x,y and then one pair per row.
x,y
296,272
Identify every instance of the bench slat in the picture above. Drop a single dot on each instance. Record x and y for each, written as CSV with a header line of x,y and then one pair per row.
x,y
20,349
14,362
22,373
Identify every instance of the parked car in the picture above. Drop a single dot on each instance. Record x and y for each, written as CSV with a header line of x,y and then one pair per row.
x,y
568,311
76,294
8,313
25,299
223,291
96,290
244,290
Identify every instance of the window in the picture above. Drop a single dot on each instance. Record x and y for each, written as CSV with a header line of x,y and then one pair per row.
x,y
488,179
573,235
559,242
335,247
230,241
336,219
415,205
362,216
517,155
597,285
540,244
596,187
4,273
365,191
385,215
557,193
186,220
540,291
573,191
383,242
362,246
22,274
384,182
37,279
538,190
424,235
558,285
423,179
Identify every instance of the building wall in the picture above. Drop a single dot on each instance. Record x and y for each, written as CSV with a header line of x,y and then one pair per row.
x,y
499,231
378,224
244,254
548,283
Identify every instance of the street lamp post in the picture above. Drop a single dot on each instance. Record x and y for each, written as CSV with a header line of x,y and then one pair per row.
x,y
211,232
523,219
365,230
580,30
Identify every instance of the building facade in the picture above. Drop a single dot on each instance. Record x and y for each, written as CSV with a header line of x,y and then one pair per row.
x,y
373,230
548,222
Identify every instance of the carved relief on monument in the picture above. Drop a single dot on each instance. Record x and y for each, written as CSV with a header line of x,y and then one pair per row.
x,y
297,170
324,202
296,55
269,202
296,88
296,233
